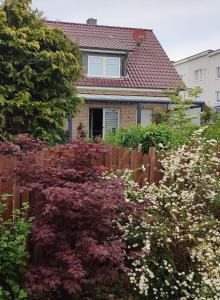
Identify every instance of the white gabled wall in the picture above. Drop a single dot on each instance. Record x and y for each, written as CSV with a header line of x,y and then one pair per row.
x,y
210,84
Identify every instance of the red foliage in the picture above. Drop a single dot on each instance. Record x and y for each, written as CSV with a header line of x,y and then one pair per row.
x,y
75,221
23,144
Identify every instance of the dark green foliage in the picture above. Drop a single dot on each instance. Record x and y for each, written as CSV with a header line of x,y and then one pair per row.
x,y
129,137
38,68
13,253
213,130
160,136
208,115
183,134
160,116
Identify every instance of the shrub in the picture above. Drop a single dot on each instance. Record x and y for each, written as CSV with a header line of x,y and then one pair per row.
x,y
176,241
208,115
160,136
13,252
129,137
183,135
213,130
75,224
38,68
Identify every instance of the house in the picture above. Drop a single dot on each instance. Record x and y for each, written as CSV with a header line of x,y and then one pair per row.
x,y
126,75
202,69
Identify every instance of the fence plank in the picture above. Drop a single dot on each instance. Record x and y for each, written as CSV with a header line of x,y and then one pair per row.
x,y
109,157
152,155
114,158
123,158
136,165
146,172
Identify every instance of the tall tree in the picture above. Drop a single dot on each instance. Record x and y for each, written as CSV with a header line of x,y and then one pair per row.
x,y
38,69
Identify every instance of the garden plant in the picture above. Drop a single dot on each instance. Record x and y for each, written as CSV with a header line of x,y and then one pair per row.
x,y
176,241
38,69
13,251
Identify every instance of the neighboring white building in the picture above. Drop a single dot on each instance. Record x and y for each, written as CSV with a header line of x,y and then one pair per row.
x,y
202,70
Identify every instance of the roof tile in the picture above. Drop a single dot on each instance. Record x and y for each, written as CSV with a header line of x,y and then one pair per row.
x,y
148,64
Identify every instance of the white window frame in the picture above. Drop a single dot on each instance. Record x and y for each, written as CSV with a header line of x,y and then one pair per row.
x,y
218,96
104,58
218,72
201,74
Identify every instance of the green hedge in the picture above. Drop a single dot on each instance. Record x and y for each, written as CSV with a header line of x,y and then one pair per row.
x,y
161,136
213,130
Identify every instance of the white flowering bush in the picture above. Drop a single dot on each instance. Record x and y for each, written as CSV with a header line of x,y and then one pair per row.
x,y
174,246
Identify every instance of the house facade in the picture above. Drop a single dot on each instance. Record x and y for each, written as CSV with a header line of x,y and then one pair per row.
x,y
126,75
202,70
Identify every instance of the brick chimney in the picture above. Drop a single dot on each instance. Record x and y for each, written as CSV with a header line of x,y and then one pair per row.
x,y
91,21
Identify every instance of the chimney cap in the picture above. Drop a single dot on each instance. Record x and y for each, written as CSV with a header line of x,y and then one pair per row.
x,y
91,21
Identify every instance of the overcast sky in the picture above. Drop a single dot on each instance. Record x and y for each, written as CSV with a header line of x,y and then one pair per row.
x,y
183,27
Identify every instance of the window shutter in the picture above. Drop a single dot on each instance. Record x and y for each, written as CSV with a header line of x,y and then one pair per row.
x,y
124,66
85,62
111,120
146,117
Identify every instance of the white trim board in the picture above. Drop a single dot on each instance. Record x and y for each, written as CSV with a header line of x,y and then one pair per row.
x,y
103,51
120,98
122,89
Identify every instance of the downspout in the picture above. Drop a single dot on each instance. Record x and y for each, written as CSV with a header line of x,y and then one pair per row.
x,y
139,107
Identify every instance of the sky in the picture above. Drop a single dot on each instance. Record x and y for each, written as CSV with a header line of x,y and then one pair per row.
x,y
183,27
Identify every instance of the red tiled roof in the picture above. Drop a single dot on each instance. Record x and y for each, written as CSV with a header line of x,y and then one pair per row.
x,y
148,65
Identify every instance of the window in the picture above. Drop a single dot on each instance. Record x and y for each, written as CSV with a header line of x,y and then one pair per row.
x,y
198,74
104,66
218,96
218,72
146,117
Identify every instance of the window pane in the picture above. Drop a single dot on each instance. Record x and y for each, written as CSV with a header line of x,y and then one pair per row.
x,y
95,66
198,74
146,117
112,67
111,120
218,96
218,72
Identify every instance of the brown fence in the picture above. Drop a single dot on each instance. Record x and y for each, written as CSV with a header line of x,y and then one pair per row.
x,y
146,167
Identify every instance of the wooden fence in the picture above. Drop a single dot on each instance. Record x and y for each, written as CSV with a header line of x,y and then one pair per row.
x,y
146,167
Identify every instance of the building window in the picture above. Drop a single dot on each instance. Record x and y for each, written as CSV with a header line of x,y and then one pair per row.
x,y
218,72
198,74
218,96
104,66
146,117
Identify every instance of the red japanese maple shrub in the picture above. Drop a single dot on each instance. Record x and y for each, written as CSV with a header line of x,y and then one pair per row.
x,y
23,144
75,221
